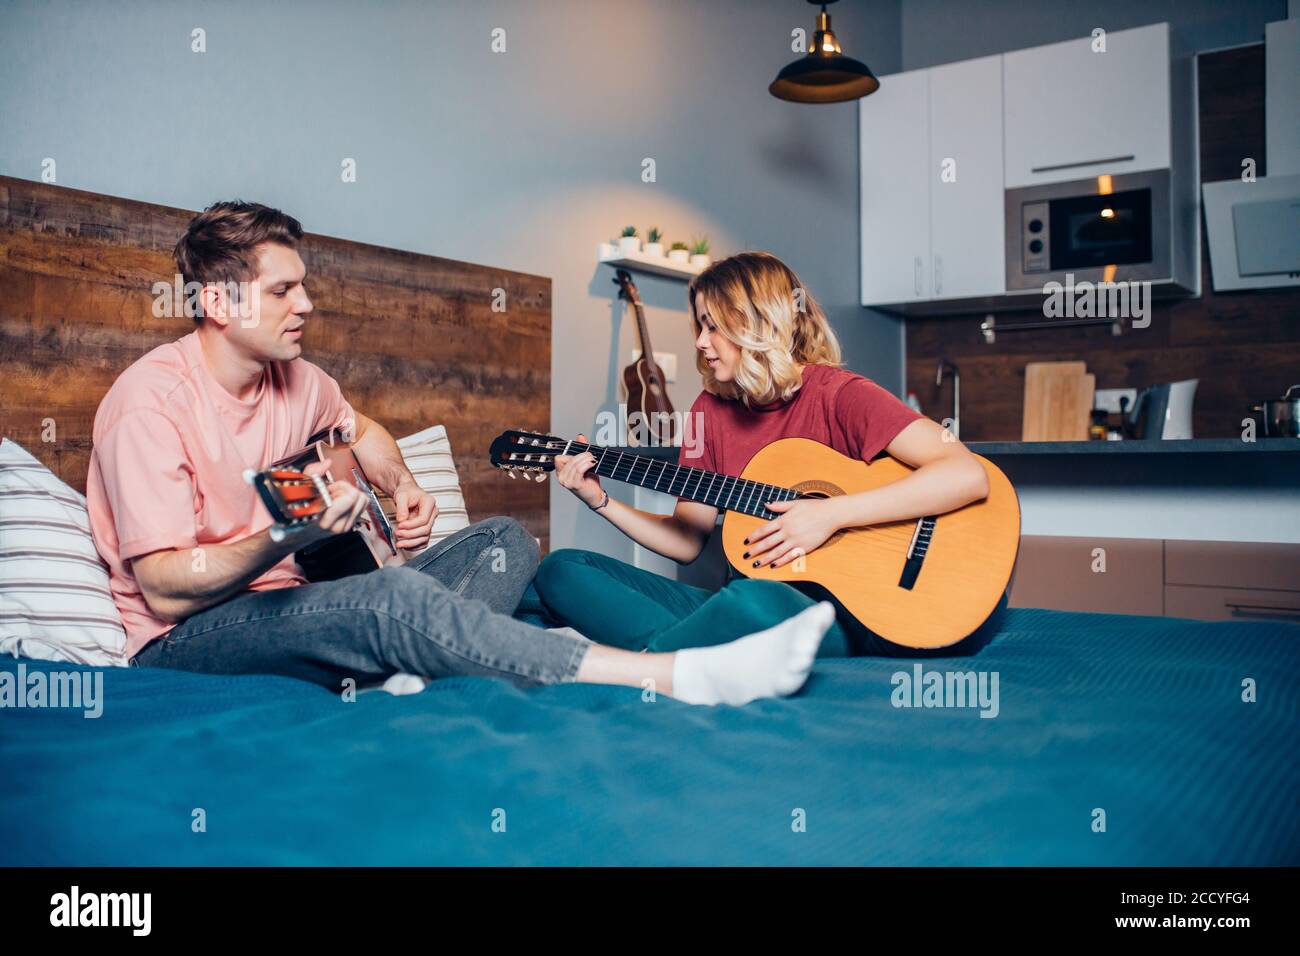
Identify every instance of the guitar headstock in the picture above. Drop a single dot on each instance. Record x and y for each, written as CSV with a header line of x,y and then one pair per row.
x,y
527,454
626,287
293,498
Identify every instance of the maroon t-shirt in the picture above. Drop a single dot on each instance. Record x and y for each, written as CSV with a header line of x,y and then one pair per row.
x,y
836,407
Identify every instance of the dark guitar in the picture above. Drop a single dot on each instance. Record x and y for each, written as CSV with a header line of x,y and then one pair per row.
x,y
644,380
922,583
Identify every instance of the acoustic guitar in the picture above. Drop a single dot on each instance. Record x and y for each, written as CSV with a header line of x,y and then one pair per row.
x,y
922,583
643,380
295,500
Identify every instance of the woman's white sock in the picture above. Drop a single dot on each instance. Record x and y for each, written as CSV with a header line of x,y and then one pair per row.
x,y
771,663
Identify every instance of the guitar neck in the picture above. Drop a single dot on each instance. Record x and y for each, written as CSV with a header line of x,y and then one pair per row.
x,y
725,492
643,332
627,291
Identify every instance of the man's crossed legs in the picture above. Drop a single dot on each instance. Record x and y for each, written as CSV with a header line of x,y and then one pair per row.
x,y
447,613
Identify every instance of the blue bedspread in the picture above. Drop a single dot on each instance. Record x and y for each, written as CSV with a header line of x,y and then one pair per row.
x,y
1140,717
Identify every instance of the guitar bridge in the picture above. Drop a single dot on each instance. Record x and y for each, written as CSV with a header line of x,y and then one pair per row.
x,y
916,551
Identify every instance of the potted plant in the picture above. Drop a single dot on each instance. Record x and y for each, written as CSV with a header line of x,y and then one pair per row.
x,y
679,252
628,242
653,242
700,252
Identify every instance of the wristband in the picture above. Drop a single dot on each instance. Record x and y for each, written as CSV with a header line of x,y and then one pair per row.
x,y
602,504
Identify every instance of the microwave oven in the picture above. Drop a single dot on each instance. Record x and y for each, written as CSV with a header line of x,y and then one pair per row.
x,y
1105,228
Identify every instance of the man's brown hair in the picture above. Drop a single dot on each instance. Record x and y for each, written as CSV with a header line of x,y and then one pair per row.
x,y
218,244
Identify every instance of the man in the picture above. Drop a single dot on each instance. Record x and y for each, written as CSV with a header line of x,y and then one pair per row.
x,y
202,586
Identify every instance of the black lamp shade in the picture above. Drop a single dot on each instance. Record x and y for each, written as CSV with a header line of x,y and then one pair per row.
x,y
824,78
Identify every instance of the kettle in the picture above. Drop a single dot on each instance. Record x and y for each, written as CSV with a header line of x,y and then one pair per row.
x,y
1162,411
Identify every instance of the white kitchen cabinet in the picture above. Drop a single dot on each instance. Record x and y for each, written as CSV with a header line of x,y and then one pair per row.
x,y
932,207
894,148
967,222
1071,112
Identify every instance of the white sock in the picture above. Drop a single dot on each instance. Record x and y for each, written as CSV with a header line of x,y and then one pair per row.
x,y
771,663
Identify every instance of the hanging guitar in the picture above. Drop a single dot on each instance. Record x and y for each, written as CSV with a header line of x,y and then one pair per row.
x,y
295,500
921,583
644,380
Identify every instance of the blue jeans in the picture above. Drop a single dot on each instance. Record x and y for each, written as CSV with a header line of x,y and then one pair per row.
x,y
445,613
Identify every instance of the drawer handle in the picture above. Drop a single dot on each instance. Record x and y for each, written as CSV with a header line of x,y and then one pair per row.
x,y
1088,162
1262,607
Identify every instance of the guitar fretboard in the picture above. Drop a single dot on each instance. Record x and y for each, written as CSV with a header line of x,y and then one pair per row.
x,y
726,492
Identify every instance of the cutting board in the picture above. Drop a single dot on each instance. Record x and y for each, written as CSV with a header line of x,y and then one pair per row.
x,y
1058,401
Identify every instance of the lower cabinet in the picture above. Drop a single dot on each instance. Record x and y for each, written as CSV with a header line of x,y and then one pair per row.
x,y
1203,580
1105,575
1231,604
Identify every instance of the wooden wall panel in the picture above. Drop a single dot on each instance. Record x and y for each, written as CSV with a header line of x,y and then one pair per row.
x,y
412,339
1243,346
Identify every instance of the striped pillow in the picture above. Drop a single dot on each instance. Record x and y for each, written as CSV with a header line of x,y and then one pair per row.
x,y
428,455
55,602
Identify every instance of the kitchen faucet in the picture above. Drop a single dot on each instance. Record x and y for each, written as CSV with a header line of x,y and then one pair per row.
x,y
956,393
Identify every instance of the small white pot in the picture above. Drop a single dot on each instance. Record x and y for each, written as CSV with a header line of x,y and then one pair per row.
x,y
679,255
654,249
700,260
629,244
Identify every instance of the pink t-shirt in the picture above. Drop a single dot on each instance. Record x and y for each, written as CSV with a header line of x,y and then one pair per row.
x,y
170,449
834,406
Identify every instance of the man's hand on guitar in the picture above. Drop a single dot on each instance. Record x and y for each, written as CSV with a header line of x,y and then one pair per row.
x,y
416,509
346,504
578,474
804,526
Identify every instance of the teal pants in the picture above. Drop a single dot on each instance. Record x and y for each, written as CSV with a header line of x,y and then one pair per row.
x,y
613,603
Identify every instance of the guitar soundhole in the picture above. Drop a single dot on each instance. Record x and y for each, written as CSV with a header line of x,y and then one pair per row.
x,y
821,489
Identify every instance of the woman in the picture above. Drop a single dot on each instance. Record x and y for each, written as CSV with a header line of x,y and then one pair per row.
x,y
770,364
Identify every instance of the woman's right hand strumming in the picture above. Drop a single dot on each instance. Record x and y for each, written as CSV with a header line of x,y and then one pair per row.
x,y
578,474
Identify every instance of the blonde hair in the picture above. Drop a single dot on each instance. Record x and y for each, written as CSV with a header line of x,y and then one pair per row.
x,y
757,302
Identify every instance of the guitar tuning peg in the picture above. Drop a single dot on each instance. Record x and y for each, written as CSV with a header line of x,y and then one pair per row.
x,y
510,472
541,477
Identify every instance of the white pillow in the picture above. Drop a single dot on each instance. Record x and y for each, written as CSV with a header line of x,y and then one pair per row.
x,y
55,602
428,455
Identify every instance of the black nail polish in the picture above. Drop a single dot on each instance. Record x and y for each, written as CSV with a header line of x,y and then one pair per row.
x,y
746,541
755,564
745,555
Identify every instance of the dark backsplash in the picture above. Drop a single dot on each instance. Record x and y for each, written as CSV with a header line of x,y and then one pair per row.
x,y
1243,346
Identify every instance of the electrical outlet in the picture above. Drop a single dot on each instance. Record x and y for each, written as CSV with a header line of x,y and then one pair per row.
x,y
665,360
1107,399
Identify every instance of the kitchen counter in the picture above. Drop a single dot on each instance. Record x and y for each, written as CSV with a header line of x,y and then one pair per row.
x,y
1196,446
998,449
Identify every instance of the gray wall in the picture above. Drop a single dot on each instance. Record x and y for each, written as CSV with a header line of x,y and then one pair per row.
x,y
525,159
943,31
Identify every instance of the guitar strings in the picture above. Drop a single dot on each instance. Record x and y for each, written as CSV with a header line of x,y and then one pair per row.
x,y
746,492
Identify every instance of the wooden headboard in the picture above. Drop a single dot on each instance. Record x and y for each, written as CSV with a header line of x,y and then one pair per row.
x,y
413,340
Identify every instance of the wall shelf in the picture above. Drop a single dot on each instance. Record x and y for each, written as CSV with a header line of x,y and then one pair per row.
x,y
640,262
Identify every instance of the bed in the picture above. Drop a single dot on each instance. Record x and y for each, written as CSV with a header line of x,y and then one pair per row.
x,y
1140,717
1134,722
